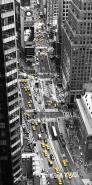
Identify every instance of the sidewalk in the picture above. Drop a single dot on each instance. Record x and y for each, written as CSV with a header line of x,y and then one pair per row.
x,y
75,157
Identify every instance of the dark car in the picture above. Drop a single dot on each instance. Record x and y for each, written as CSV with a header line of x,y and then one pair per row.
x,y
41,130
51,157
45,140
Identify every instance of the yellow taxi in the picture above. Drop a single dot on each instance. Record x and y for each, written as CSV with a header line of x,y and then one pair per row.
x,y
49,102
30,94
43,145
27,115
33,122
28,89
23,81
29,105
33,128
47,146
50,162
29,102
60,181
36,123
45,152
57,170
36,78
25,89
64,162
55,105
69,175
30,116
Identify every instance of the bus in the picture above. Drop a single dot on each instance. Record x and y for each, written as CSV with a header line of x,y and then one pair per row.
x,y
54,132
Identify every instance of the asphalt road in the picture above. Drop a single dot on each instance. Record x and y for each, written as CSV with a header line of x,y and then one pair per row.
x,y
44,66
46,114
25,95
48,169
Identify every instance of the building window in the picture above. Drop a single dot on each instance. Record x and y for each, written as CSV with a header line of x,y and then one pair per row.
x,y
11,77
8,20
9,45
7,7
8,33
11,67
10,56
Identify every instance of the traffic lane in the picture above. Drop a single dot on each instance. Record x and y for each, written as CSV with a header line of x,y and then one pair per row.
x,y
44,66
50,170
40,42
49,90
44,58
47,102
54,181
26,97
45,75
49,115
40,150
43,159
39,130
37,95
35,133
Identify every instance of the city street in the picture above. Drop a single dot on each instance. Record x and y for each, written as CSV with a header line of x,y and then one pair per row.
x,y
40,97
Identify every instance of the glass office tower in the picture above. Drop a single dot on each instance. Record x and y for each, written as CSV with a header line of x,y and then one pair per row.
x,y
76,64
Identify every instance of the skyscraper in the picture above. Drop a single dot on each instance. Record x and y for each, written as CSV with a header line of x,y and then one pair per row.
x,y
10,148
64,10
63,6
76,64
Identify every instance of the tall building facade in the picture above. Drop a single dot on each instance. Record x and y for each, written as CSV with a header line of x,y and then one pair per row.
x,y
18,28
55,12
10,146
63,6
52,12
64,9
76,63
